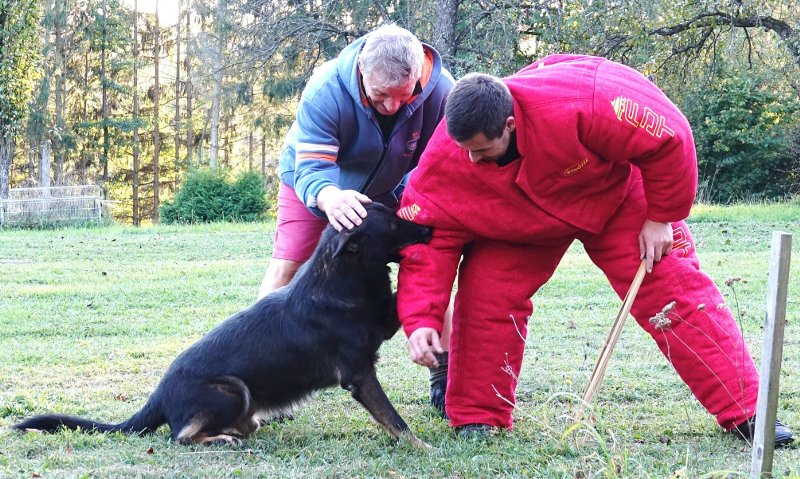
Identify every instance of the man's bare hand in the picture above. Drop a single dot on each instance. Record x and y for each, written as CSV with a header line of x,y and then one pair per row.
x,y
655,242
344,208
422,344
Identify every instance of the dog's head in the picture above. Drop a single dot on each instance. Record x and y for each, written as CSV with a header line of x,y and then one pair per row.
x,y
380,236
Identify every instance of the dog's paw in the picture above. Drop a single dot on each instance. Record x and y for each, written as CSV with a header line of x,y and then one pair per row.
x,y
423,446
415,441
222,440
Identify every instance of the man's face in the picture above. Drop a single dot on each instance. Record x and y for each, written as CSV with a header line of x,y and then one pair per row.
x,y
386,99
481,149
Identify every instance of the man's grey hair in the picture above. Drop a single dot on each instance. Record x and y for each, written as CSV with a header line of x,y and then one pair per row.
x,y
393,55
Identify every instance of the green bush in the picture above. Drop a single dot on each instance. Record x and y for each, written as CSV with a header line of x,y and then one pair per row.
x,y
208,196
742,132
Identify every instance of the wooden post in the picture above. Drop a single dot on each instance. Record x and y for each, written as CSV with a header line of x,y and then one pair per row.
x,y
772,353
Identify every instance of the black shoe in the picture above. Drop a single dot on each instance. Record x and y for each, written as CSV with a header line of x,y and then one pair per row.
x,y
439,384
476,431
438,391
783,435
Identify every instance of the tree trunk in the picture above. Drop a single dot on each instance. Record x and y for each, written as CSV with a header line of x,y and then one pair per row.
x,y
6,157
213,154
32,140
189,91
85,117
60,63
226,145
250,151
202,140
61,45
137,220
156,101
39,113
263,155
104,83
444,32
217,91
31,162
44,164
178,89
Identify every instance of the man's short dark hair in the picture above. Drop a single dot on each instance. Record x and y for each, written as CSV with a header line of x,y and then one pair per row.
x,y
478,103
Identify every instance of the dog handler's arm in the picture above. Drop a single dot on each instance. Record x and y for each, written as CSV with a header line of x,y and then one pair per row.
x,y
655,241
344,208
424,284
661,147
422,344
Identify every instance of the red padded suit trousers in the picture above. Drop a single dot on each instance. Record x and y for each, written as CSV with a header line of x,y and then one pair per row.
x,y
497,279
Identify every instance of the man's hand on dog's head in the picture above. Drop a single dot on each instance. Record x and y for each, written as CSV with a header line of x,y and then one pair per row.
x,y
422,344
344,208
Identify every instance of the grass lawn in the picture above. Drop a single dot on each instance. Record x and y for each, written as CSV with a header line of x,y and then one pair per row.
x,y
90,319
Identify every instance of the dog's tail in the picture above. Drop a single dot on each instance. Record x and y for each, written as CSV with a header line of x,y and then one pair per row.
x,y
145,421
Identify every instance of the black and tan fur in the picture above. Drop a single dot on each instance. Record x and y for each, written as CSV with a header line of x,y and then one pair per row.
x,y
322,329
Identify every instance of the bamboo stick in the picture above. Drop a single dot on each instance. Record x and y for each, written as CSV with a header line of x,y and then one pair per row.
x,y
605,354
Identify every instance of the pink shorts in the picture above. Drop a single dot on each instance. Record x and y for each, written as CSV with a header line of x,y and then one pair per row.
x,y
298,229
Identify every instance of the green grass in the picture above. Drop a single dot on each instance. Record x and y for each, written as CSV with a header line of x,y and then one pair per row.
x,y
787,212
90,319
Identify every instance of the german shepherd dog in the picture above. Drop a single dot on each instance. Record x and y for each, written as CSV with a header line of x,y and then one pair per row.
x,y
323,328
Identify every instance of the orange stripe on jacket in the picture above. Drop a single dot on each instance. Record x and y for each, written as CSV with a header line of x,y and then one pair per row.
x,y
315,156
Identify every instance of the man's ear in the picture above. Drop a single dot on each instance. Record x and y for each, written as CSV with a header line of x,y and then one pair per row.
x,y
348,243
511,124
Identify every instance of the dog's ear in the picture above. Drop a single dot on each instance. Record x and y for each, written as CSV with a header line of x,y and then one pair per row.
x,y
347,243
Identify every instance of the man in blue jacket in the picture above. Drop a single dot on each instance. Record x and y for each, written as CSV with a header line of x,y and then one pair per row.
x,y
363,121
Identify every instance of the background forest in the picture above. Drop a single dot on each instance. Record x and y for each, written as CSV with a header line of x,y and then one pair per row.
x,y
106,92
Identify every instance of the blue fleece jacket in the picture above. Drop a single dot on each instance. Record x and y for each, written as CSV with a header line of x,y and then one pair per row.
x,y
336,140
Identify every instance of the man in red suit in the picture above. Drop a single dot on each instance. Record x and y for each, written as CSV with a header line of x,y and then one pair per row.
x,y
571,147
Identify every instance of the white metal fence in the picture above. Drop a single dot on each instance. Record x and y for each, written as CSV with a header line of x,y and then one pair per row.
x,y
53,205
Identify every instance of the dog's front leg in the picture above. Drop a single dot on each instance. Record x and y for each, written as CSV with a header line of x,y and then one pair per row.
x,y
391,323
366,389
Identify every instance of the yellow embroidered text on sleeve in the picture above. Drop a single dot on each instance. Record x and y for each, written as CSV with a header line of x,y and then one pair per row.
x,y
653,123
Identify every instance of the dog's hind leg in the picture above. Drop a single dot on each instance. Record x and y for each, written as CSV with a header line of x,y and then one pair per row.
x,y
222,412
196,433
366,389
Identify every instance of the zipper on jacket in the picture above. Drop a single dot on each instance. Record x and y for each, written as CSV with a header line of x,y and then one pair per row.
x,y
385,143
